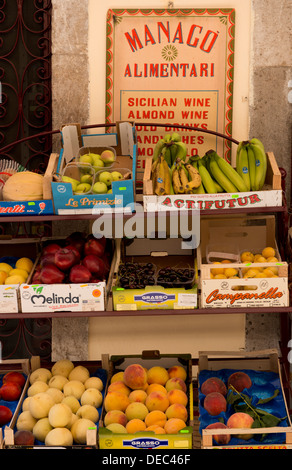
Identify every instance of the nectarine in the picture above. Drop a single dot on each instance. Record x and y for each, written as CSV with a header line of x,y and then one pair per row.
x,y
221,439
240,381
157,401
241,420
213,384
135,376
215,403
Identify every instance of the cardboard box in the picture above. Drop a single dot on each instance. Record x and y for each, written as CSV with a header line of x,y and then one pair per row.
x,y
15,249
41,207
269,196
227,237
264,369
123,192
96,370
149,440
65,297
13,365
160,253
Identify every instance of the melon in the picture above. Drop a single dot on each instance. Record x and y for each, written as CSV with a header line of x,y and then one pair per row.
x,y
23,186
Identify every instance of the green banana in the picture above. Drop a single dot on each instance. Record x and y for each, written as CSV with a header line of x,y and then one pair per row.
x,y
207,180
220,176
173,152
158,149
175,137
181,150
167,155
256,141
230,173
251,166
242,167
261,165
167,138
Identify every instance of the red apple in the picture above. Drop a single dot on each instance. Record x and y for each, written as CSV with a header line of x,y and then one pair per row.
x,y
79,274
14,376
76,252
48,258
51,248
23,438
5,415
95,265
10,391
36,279
94,247
64,259
50,274
76,239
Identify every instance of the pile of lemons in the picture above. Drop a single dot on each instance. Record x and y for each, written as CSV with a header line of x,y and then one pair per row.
x,y
10,275
268,255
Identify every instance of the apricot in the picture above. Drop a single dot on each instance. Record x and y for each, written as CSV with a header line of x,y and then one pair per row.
x,y
174,425
240,381
156,429
215,403
177,411
116,401
119,386
135,425
136,410
175,382
221,439
155,417
115,416
213,384
157,375
177,371
177,396
242,421
138,395
135,376
154,387
157,401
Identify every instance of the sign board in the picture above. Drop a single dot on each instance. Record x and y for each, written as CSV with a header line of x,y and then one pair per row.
x,y
173,67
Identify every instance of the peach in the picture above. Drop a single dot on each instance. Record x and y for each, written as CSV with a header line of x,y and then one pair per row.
x,y
119,386
117,428
157,401
240,381
156,429
116,401
242,421
177,396
175,382
213,384
136,410
117,377
154,387
156,417
221,439
177,411
138,395
174,425
135,376
135,425
177,371
115,416
157,375
215,403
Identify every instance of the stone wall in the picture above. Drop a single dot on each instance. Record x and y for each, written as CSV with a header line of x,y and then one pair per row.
x,y
270,120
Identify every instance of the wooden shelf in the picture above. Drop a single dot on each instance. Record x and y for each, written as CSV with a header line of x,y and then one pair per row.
x,y
143,313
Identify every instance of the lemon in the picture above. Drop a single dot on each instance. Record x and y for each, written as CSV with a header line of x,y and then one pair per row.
x,y
272,259
3,276
24,263
268,272
246,257
252,272
217,270
260,259
229,272
5,267
268,252
15,280
18,272
220,276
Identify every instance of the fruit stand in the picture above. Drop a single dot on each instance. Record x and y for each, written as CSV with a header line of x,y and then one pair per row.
x,y
62,283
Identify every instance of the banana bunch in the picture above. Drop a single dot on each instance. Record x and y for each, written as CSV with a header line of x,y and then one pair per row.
x,y
185,178
161,177
251,163
172,148
224,174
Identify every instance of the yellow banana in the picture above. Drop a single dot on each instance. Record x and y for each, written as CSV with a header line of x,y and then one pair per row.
x,y
220,177
230,173
195,178
261,165
183,178
159,178
167,179
251,166
242,166
177,186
